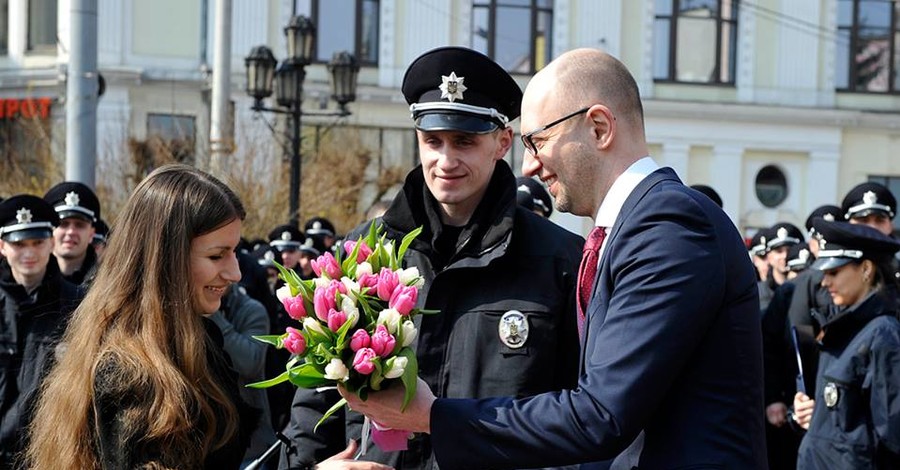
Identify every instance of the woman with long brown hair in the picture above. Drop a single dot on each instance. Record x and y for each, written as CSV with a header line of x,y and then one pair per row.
x,y
142,382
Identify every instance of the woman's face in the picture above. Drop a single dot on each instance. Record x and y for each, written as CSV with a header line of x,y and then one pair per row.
x,y
849,283
214,266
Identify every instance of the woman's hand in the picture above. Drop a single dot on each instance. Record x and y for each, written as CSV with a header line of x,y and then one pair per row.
x,y
803,409
343,460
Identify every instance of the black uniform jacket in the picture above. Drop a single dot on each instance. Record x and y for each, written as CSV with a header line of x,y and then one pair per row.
x,y
505,259
87,270
856,420
30,329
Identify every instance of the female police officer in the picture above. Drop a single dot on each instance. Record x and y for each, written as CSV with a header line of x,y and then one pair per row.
x,y
854,419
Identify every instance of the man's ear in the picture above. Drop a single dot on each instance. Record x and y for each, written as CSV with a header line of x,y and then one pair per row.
x,y
505,139
604,125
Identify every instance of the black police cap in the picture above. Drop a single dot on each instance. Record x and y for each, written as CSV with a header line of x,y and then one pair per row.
x,y
758,242
74,199
311,247
286,236
783,234
539,195
843,242
709,192
869,198
829,212
101,231
799,257
459,89
26,217
266,255
319,226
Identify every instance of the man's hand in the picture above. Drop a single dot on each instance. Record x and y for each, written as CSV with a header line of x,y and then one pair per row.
x,y
776,413
384,407
803,409
344,461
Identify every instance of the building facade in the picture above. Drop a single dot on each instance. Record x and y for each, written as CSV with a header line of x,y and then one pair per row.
x,y
780,105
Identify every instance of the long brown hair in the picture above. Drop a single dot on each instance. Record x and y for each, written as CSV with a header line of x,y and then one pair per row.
x,y
138,313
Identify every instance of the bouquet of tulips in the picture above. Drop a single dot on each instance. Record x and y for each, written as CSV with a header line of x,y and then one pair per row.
x,y
354,324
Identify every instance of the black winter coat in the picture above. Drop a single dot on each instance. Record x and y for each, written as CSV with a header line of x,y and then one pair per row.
x,y
31,327
506,259
856,419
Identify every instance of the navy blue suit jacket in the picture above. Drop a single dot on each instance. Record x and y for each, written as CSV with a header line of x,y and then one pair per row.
x,y
672,347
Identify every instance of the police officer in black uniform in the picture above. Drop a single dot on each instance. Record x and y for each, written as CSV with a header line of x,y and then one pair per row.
x,y
322,232
78,209
532,195
101,237
35,303
853,413
780,441
502,277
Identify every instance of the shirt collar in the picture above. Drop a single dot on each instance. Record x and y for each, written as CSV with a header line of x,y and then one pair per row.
x,y
621,189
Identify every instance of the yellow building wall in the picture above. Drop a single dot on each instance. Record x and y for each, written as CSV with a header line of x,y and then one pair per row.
x,y
868,153
166,28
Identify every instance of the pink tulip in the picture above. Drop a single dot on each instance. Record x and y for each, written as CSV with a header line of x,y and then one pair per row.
x,y
359,340
364,250
362,362
387,281
325,299
294,343
327,264
367,282
404,299
294,307
382,341
336,319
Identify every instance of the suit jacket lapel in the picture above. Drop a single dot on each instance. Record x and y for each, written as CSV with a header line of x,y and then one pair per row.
x,y
596,311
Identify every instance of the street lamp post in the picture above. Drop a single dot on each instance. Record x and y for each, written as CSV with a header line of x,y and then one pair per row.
x,y
288,79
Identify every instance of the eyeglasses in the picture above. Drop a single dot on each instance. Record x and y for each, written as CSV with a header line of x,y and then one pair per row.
x,y
527,138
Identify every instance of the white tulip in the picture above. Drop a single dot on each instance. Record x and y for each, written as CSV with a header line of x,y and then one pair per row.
x,y
336,370
363,268
349,307
409,332
395,367
390,318
283,292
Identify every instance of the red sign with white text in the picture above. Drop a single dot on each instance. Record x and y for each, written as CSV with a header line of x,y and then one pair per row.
x,y
25,107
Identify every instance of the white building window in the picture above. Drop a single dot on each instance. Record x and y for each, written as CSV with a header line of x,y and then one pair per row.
x,y
42,26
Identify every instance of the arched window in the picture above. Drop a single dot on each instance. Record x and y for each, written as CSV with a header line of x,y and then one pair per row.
x,y
771,186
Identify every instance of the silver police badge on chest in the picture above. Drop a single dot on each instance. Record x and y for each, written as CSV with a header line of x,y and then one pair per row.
x,y
513,329
831,394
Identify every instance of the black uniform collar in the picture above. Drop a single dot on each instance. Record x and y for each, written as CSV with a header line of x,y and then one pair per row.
x,y
490,223
78,276
846,323
16,290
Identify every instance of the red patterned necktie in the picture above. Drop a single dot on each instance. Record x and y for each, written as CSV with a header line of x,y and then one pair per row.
x,y
587,272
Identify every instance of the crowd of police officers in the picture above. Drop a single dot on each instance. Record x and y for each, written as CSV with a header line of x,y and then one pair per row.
x,y
51,247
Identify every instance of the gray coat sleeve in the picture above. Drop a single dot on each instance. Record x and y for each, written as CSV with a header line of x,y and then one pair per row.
x,y
242,319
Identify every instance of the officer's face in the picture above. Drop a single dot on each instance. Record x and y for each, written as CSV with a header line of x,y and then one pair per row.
x,y
458,167
27,258
304,262
847,284
877,220
72,237
214,266
777,258
290,257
